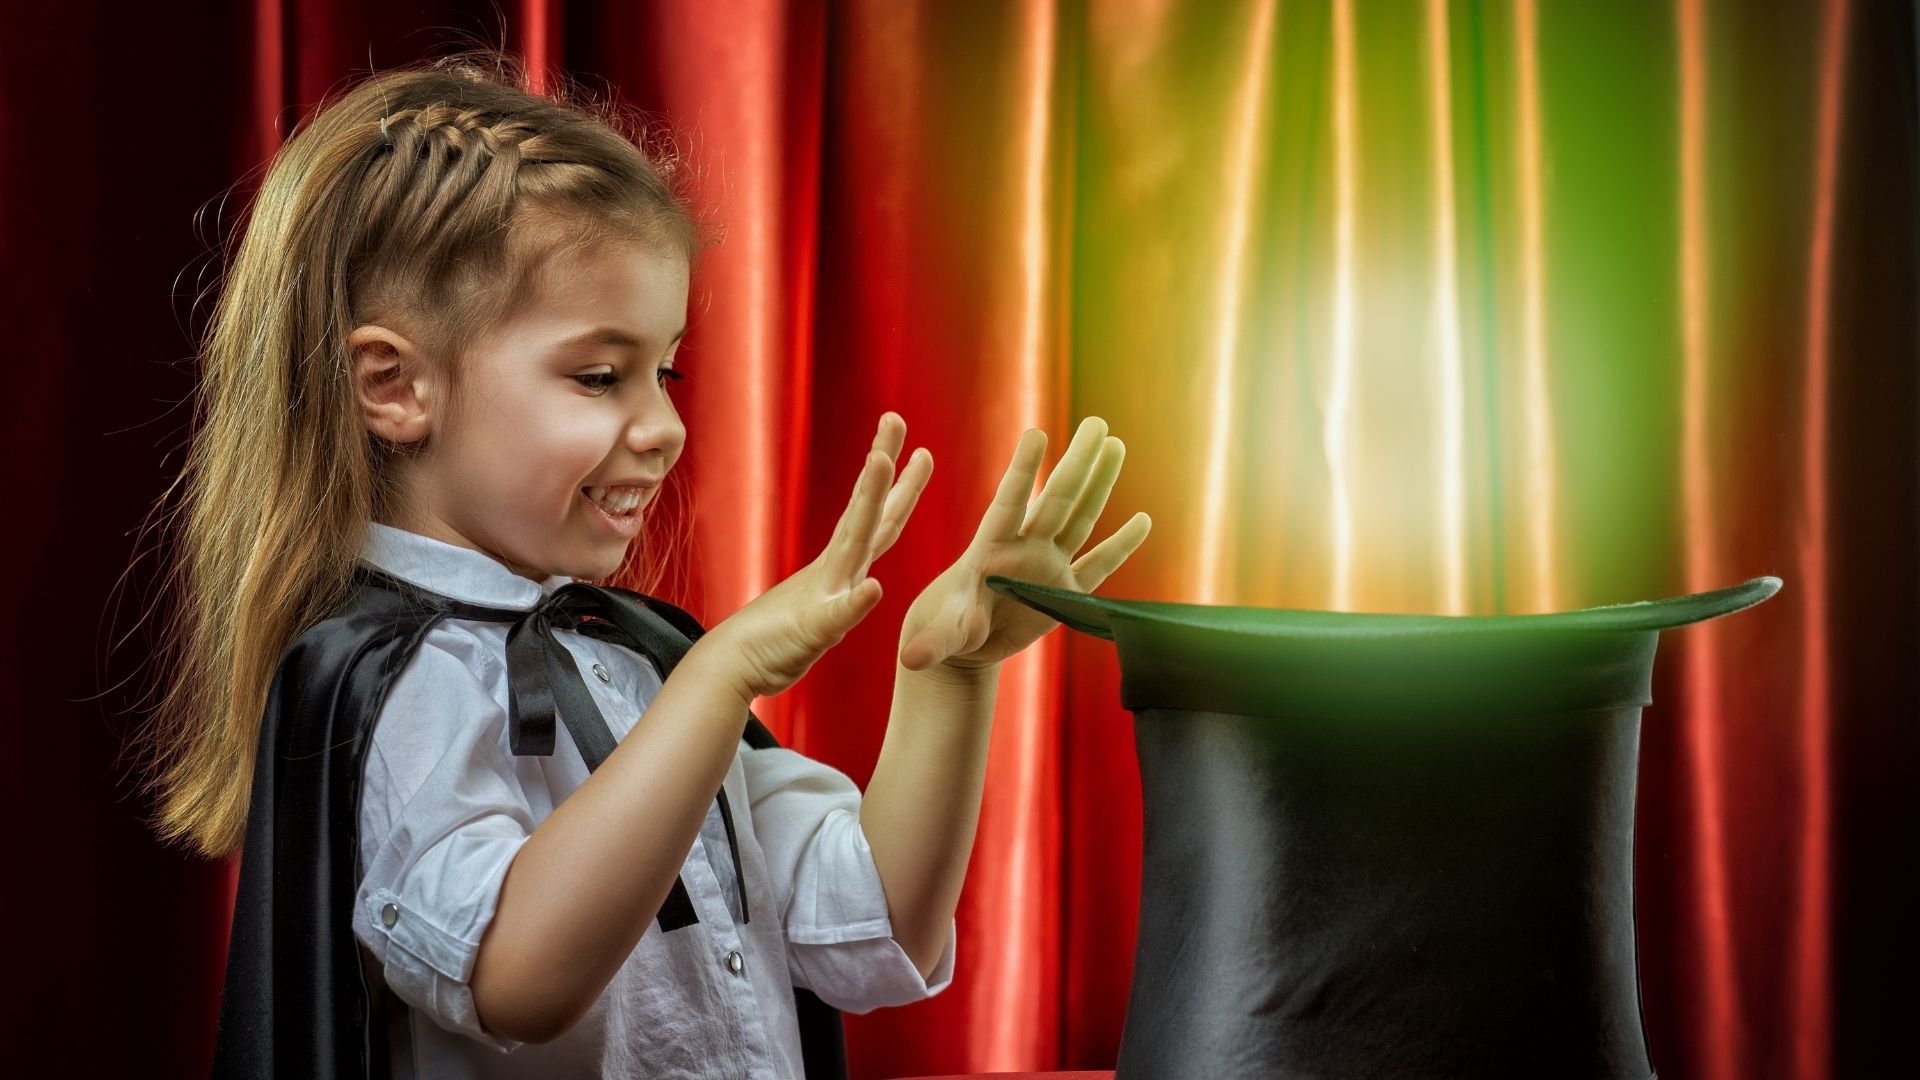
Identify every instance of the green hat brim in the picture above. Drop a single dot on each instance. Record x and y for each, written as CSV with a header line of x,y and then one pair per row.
x,y
1096,615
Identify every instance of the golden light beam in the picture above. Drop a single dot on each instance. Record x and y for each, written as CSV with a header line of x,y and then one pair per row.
x,y
1538,457
1340,384
1213,584
1449,378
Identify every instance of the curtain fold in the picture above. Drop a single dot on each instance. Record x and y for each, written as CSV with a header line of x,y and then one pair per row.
x,y
1469,307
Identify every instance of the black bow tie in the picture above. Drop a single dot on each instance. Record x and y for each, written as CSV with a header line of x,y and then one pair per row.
x,y
541,674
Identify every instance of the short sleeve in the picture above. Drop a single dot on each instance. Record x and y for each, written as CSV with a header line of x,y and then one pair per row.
x,y
840,942
441,818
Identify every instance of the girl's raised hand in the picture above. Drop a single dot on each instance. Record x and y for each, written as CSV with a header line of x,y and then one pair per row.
x,y
959,622
767,645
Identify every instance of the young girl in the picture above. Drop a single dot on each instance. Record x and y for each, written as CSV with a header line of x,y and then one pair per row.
x,y
434,408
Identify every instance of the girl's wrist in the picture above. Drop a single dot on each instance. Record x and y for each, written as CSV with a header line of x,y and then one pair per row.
x,y
707,662
963,678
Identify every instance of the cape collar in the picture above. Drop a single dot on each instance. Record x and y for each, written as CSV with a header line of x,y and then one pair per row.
x,y
452,571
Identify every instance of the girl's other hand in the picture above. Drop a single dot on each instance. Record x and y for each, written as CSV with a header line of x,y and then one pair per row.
x,y
766,646
963,626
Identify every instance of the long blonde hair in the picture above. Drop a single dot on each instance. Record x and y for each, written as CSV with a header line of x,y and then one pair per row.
x,y
428,197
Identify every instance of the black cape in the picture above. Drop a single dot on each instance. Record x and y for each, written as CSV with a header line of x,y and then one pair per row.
x,y
296,1000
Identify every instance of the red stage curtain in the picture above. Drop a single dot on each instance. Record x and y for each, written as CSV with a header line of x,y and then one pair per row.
x,y
999,215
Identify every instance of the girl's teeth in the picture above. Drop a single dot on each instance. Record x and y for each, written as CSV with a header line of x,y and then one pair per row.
x,y
615,501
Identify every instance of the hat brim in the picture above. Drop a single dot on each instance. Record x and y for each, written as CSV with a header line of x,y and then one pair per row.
x,y
1096,615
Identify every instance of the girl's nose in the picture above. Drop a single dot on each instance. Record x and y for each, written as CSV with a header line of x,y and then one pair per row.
x,y
656,429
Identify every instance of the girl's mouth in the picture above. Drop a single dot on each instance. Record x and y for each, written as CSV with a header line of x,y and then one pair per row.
x,y
617,509
616,501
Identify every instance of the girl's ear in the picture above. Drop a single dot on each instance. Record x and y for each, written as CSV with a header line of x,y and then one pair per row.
x,y
391,383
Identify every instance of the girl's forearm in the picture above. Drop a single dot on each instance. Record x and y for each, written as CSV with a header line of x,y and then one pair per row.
x,y
588,882
922,806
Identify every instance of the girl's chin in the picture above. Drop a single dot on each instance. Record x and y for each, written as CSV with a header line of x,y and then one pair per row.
x,y
599,572
593,565
602,563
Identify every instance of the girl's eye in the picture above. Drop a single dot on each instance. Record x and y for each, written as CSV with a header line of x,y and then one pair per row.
x,y
602,381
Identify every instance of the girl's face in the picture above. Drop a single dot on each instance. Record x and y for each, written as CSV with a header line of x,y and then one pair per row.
x,y
564,429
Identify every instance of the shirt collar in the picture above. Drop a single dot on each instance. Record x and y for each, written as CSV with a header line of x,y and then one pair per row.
x,y
450,570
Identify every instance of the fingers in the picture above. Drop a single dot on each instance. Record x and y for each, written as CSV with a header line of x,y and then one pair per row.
x,y
1091,569
1069,477
891,435
901,501
904,494
1106,470
846,557
879,509
1009,504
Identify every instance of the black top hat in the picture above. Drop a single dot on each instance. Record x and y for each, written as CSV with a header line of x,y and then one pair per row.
x,y
1385,845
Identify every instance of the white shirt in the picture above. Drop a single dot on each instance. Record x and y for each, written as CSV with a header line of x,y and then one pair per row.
x,y
446,805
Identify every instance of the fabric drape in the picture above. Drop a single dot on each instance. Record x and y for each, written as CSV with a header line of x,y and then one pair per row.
x,y
1462,308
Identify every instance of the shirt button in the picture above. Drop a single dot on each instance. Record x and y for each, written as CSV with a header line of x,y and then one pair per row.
x,y
735,963
601,673
390,914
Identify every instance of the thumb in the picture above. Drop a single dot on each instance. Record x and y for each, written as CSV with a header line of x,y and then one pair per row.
x,y
854,604
862,597
925,649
